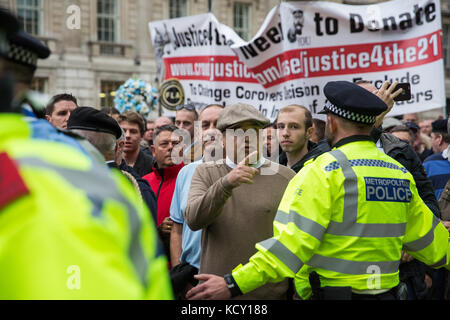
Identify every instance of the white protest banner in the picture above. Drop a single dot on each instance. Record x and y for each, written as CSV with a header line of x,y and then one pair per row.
x,y
303,45
196,51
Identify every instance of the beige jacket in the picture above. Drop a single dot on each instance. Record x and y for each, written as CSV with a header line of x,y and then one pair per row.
x,y
234,220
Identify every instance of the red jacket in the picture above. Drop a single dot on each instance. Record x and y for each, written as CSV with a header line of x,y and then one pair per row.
x,y
162,182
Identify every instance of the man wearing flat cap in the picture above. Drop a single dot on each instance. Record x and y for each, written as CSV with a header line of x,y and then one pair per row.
x,y
344,219
234,201
105,134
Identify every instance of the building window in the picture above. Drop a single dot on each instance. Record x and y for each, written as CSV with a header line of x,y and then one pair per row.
x,y
39,85
108,92
242,20
107,21
446,44
177,8
30,14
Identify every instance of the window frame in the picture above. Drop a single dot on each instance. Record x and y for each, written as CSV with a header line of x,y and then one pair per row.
x,y
242,30
186,6
40,16
40,82
108,100
115,17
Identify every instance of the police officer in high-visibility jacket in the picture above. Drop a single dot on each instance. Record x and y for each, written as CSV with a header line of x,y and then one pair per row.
x,y
69,228
344,218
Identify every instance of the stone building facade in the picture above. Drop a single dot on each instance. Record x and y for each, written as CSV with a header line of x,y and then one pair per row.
x,y
98,44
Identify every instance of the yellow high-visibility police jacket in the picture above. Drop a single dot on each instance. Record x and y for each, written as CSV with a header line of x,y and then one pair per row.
x,y
71,229
347,215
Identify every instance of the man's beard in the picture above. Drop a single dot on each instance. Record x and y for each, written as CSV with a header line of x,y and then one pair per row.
x,y
328,135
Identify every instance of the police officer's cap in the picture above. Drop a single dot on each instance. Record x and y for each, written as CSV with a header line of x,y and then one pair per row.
x,y
8,25
439,126
24,49
352,102
90,119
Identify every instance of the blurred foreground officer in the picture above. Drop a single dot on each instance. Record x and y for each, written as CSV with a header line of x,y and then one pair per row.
x,y
69,229
344,242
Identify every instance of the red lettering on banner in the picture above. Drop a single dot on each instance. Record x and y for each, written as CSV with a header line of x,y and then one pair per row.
x,y
208,68
309,63
350,59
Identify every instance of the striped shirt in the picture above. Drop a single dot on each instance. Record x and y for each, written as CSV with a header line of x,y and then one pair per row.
x,y
438,171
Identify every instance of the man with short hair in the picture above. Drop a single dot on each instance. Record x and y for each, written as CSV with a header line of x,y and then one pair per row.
x,y
294,128
112,112
410,117
133,125
150,130
319,131
270,142
425,127
234,201
185,120
161,121
437,165
185,244
59,108
419,143
163,178
403,133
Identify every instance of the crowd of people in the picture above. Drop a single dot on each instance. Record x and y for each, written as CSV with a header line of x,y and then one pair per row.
x,y
170,207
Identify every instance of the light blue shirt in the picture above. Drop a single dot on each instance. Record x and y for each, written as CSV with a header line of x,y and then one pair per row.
x,y
191,240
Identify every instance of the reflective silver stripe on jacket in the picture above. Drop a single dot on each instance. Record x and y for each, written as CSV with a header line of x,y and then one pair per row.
x,y
425,241
283,254
98,185
440,263
352,267
306,225
349,226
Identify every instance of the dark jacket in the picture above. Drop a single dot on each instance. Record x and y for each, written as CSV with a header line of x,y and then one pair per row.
x,y
405,154
412,273
147,193
144,164
314,150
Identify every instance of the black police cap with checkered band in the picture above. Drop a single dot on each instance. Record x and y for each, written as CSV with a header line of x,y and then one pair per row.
x,y
8,22
352,102
8,25
24,49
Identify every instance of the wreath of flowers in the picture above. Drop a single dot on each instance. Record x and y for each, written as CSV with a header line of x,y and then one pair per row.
x,y
136,95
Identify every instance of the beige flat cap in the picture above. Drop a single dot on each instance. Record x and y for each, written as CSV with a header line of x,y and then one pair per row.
x,y
240,112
